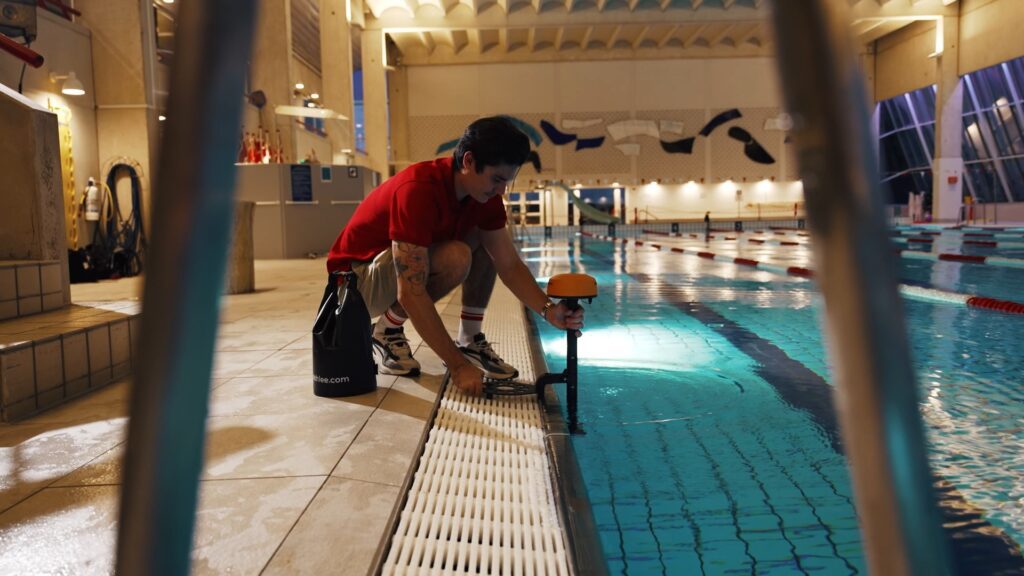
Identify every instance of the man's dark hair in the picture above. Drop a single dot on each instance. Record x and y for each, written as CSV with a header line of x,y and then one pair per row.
x,y
493,141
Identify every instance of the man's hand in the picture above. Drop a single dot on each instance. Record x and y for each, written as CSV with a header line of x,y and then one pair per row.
x,y
561,317
468,378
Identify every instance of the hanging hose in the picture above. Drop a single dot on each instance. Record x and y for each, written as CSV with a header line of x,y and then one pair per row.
x,y
119,246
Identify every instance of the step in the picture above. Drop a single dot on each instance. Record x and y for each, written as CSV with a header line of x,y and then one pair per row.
x,y
29,287
49,358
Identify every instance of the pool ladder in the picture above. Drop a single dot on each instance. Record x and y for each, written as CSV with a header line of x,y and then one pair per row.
x,y
569,288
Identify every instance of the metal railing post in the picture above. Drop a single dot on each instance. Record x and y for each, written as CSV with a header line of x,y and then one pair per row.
x,y
192,209
881,425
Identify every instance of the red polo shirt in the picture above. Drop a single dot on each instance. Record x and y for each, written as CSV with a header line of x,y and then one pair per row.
x,y
417,206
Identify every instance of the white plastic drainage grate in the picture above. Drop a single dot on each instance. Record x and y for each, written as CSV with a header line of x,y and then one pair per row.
x,y
481,501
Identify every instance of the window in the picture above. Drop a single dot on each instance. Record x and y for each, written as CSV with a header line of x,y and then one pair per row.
x,y
993,142
906,143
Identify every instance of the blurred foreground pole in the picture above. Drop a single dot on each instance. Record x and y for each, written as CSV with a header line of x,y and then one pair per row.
x,y
192,210
876,392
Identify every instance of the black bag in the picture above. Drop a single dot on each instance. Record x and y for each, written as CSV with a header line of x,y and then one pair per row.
x,y
342,352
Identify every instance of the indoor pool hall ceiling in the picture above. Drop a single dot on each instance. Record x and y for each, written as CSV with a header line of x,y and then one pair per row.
x,y
425,32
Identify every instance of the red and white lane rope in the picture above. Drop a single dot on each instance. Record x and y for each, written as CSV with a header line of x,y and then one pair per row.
x,y
689,235
959,233
965,242
912,254
964,258
915,292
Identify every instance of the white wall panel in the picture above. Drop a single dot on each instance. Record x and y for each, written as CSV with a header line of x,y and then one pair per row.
x,y
671,84
595,86
743,82
444,90
517,89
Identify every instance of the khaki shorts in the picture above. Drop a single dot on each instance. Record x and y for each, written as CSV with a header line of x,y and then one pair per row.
x,y
378,282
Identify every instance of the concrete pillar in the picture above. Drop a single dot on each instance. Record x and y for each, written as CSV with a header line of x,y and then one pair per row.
x,y
125,70
948,163
867,67
375,104
270,71
398,110
241,271
32,207
336,65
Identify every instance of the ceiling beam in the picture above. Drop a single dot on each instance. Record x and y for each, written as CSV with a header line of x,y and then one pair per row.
x,y
640,37
444,57
668,36
739,40
717,38
694,36
428,41
613,37
525,17
559,36
586,37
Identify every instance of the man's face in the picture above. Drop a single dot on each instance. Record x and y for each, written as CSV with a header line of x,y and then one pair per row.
x,y
490,182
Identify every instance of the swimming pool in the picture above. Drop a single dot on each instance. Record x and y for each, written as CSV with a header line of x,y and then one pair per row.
x,y
712,444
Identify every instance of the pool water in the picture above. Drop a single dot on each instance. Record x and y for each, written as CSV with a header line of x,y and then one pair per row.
x,y
712,445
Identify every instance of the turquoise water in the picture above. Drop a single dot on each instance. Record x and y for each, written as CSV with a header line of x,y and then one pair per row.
x,y
711,442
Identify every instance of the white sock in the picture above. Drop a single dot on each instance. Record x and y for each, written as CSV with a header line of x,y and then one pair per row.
x,y
389,319
472,324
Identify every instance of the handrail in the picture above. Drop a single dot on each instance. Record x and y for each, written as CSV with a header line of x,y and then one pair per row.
x,y
193,197
881,426
21,52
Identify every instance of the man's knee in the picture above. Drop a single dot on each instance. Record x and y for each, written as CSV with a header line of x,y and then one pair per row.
x,y
451,260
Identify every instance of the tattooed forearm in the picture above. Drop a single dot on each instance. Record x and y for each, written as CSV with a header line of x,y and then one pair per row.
x,y
411,263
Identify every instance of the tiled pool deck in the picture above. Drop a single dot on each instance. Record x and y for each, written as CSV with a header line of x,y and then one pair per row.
x,y
292,483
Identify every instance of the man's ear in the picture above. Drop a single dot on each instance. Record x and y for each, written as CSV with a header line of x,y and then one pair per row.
x,y
468,161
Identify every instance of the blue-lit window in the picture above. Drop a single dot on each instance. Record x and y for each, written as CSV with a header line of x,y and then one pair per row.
x,y
993,143
358,119
906,141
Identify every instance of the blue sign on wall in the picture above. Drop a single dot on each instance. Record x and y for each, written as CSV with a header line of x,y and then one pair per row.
x,y
302,183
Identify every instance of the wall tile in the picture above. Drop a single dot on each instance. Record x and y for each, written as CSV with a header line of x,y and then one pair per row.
x,y
49,365
28,281
120,347
121,370
8,284
19,410
76,387
135,327
30,305
53,301
50,398
49,275
99,348
17,375
76,357
99,356
8,309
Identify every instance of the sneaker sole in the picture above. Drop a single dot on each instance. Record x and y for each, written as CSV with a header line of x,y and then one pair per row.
x,y
382,368
397,372
488,373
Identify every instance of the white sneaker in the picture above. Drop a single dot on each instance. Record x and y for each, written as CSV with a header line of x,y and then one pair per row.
x,y
393,354
481,355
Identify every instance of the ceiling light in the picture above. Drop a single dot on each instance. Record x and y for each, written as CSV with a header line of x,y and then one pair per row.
x,y
299,86
72,85
161,117
314,96
306,112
